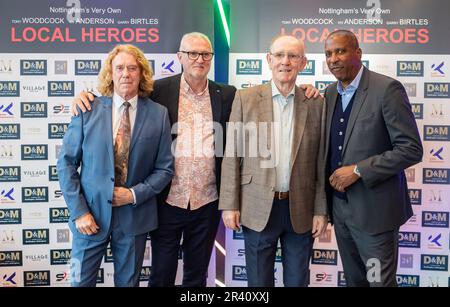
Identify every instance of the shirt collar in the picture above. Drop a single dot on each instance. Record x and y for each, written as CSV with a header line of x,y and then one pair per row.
x,y
187,89
118,101
276,92
352,86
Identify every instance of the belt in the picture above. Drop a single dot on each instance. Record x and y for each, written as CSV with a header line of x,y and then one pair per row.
x,y
281,195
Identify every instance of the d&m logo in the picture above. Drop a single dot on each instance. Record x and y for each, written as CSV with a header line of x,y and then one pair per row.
x,y
409,239
61,88
60,256
10,173
11,258
408,280
87,67
10,216
341,282
417,109
238,234
310,69
57,130
52,173
59,215
435,219
278,255
33,67
9,131
239,272
100,276
324,256
436,90
248,67
109,255
410,68
415,195
33,109
36,278
436,133
9,88
34,152
35,236
145,273
436,175
434,262
322,85
6,110
34,194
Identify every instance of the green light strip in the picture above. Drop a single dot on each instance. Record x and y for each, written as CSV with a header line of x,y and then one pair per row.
x,y
224,21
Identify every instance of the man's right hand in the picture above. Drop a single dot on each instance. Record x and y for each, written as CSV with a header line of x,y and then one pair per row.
x,y
232,219
86,224
83,100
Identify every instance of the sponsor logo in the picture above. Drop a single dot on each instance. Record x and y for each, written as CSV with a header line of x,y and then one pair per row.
x,y
437,70
310,69
435,219
7,237
6,152
87,67
406,261
239,272
415,195
322,85
168,68
409,239
341,279
417,109
436,176
434,262
410,68
36,278
6,67
6,110
35,236
9,280
9,131
238,234
52,173
9,88
33,67
61,88
10,216
33,109
7,195
410,174
57,130
10,173
34,152
11,258
436,133
62,235
60,67
324,256
437,111
144,275
408,280
436,90
248,67
59,215
411,89
60,256
61,110
34,194
435,241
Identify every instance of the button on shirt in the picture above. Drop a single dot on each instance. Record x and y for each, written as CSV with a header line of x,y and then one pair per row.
x,y
349,91
283,114
117,110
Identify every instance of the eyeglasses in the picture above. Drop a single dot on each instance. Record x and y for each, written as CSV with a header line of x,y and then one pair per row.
x,y
193,55
291,57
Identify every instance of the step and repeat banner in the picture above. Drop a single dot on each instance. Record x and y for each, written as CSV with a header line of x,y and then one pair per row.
x,y
404,39
50,51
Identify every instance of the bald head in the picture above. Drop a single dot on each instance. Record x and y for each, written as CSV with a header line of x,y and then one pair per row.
x,y
287,39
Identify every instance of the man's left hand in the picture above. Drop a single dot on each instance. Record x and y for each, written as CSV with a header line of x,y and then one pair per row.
x,y
310,91
319,226
122,196
343,177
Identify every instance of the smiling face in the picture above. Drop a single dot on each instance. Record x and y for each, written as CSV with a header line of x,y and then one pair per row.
x,y
286,59
126,75
343,58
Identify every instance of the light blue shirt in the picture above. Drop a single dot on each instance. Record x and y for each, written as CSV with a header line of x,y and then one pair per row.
x,y
283,111
347,93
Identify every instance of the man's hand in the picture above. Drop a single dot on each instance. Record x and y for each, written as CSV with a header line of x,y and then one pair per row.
x,y
122,196
310,91
86,224
83,100
319,226
232,219
343,177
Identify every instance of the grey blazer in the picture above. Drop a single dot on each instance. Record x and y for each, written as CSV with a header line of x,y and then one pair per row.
x,y
383,140
249,187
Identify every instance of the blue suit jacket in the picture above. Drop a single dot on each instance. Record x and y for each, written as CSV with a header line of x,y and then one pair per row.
x,y
88,143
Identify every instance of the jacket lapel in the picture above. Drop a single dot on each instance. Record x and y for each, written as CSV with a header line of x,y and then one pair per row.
x,y
173,97
299,120
359,101
265,115
216,101
331,104
141,117
107,120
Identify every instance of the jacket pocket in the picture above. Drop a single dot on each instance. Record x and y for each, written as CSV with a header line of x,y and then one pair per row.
x,y
246,179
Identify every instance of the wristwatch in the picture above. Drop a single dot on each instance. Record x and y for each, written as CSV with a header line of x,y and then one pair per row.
x,y
356,171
